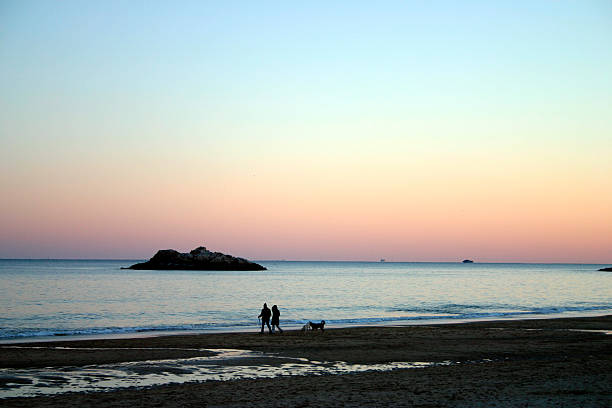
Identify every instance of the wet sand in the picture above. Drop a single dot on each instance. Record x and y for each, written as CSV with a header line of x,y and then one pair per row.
x,y
510,364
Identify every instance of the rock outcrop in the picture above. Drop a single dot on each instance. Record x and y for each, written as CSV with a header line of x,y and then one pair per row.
x,y
200,259
606,269
467,261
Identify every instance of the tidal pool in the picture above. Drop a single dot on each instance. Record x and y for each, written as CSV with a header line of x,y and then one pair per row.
x,y
223,365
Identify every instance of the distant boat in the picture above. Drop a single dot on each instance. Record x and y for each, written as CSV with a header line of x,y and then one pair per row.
x,y
467,261
382,260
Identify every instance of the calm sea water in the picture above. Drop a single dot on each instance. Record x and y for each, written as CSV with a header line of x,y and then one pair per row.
x,y
58,297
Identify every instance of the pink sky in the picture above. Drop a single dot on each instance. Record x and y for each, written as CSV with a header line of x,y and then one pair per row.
x,y
465,208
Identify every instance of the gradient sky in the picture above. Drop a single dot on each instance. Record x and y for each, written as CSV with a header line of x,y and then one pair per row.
x,y
411,131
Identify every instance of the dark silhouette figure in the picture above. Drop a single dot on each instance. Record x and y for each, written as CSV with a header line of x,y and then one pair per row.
x,y
317,326
275,318
265,318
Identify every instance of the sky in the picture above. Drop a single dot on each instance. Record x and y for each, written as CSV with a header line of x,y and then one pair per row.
x,y
404,130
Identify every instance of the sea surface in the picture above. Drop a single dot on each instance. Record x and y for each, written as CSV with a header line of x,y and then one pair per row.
x,y
50,298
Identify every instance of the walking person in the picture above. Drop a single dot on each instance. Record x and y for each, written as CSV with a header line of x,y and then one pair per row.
x,y
265,318
275,318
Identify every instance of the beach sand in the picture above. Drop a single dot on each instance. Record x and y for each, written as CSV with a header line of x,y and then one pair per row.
x,y
535,363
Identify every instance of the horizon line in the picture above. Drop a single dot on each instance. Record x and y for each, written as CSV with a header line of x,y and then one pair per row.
x,y
330,261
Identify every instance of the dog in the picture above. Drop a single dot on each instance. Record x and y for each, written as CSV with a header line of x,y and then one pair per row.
x,y
317,326
306,328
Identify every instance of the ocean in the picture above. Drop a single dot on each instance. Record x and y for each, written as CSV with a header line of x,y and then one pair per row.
x,y
40,299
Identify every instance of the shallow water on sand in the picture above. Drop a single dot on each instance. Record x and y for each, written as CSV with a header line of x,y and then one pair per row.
x,y
225,365
41,298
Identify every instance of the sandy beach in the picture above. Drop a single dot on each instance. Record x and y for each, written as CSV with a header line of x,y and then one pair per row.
x,y
546,362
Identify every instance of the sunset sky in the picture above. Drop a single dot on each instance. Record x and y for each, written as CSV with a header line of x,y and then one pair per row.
x,y
411,131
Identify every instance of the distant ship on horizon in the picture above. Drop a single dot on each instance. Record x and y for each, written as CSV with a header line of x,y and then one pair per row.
x,y
383,260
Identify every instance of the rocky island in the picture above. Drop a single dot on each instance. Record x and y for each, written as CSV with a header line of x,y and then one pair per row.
x,y
200,259
606,269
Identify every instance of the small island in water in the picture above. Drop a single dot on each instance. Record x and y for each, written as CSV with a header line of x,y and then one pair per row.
x,y
467,261
200,259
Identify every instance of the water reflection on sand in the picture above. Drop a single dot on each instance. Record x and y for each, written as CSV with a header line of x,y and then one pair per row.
x,y
225,364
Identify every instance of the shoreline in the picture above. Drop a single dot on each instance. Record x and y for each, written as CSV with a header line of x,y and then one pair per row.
x,y
508,363
395,323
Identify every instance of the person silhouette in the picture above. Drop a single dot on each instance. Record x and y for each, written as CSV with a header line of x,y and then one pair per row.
x,y
275,318
265,318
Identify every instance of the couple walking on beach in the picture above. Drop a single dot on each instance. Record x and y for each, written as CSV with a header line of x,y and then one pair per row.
x,y
265,318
